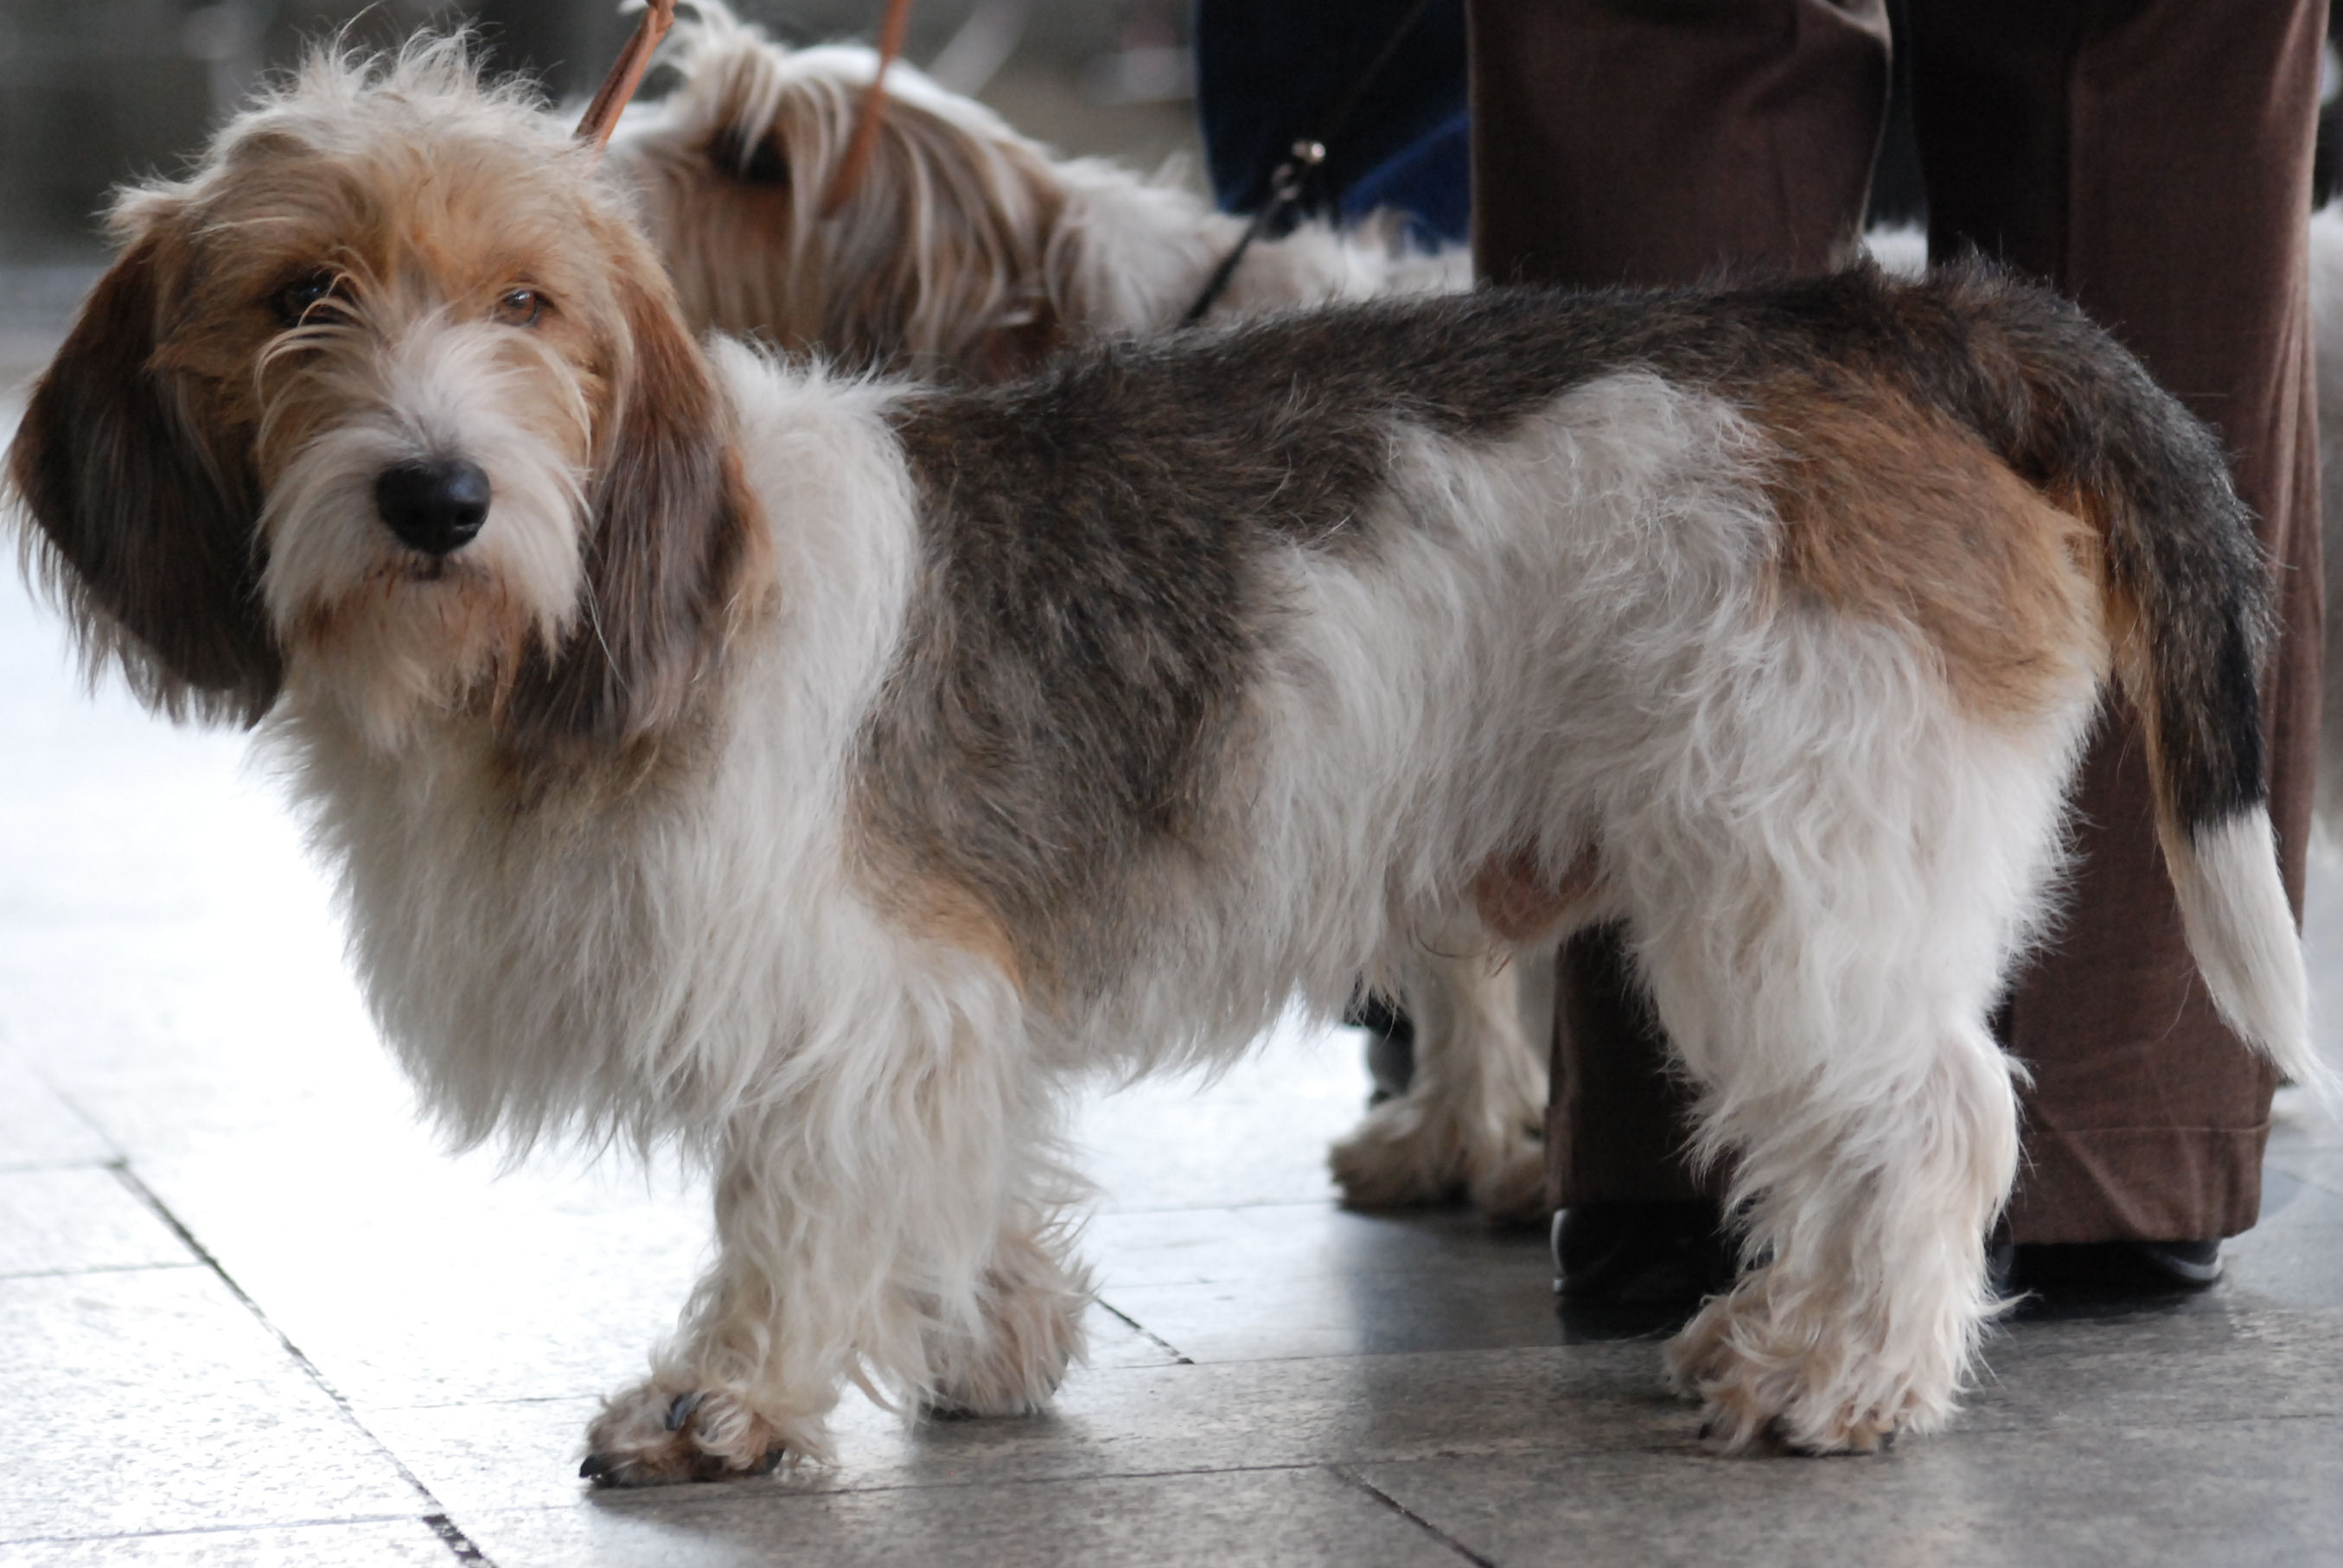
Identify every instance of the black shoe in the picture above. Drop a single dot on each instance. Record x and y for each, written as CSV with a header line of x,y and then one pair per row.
x,y
2114,1266
2191,1264
1641,1252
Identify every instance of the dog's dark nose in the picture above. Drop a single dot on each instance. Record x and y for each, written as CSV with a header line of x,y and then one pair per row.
x,y
435,506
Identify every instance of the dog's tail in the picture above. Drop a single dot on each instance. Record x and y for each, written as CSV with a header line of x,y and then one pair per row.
x,y
2188,594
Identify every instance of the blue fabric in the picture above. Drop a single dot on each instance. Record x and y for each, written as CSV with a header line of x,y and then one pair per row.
x,y
1269,72
1430,180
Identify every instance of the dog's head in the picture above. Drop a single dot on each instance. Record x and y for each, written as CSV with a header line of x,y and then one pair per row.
x,y
389,404
950,258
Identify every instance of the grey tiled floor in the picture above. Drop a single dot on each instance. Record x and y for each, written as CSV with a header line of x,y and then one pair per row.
x,y
250,1313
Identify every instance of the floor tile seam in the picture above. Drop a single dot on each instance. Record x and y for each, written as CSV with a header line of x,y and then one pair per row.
x,y
372,1407
1345,1473
241,1527
2329,1186
2004,1428
81,1113
1179,1356
733,1494
2250,1304
1554,1354
1500,1449
10,1277
1994,1423
2245,1308
36,1167
460,1547
2014,1382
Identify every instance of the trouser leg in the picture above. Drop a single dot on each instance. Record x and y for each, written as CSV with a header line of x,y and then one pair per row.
x,y
2151,160
1660,141
1654,142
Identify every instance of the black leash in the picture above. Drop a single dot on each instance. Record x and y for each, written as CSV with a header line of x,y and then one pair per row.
x,y
1285,182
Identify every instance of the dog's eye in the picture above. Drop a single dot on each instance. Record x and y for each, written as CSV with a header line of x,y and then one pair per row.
x,y
294,302
521,307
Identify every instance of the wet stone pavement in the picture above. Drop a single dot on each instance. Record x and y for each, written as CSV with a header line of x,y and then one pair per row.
x,y
250,1312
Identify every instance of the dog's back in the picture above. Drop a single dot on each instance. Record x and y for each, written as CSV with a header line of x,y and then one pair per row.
x,y
1125,548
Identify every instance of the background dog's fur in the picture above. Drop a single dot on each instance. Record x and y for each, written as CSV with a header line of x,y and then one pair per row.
x,y
821,772
967,250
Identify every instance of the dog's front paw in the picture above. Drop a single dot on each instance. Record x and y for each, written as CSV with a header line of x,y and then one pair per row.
x,y
655,1434
1769,1386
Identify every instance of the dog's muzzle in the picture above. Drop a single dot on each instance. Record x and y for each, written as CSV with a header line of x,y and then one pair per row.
x,y
435,505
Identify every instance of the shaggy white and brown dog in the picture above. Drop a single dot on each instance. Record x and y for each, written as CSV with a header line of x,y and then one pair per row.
x,y
823,774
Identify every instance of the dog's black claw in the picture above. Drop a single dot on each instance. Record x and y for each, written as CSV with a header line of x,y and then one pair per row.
x,y
596,1467
680,1410
771,1463
1777,1440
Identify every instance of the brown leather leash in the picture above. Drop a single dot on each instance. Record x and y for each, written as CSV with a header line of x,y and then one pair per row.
x,y
895,22
625,75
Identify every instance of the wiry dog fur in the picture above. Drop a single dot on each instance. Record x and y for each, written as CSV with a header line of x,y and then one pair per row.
x,y
823,773
1904,251
966,250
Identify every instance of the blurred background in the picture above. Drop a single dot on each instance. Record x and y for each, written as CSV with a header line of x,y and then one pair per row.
x,y
93,93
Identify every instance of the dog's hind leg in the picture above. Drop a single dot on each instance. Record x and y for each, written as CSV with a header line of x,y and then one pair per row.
x,y
1868,1207
1824,946
1472,1119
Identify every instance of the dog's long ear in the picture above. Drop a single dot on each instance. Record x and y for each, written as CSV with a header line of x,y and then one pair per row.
x,y
943,252
145,533
673,544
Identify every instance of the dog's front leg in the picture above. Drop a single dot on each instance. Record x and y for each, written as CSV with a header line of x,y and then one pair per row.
x,y
771,1334
1007,1351
921,1254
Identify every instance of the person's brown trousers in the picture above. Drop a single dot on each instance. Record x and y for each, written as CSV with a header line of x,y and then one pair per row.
x,y
2150,158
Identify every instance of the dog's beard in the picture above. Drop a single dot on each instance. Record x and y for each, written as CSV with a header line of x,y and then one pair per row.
x,y
387,635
